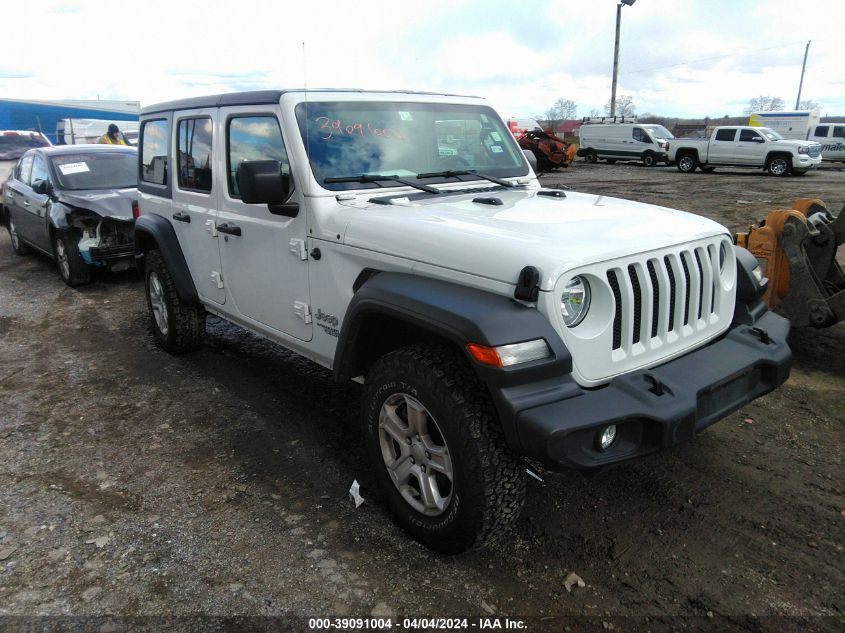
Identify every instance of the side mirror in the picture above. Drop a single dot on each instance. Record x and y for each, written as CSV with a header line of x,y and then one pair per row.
x,y
532,160
759,139
42,187
262,182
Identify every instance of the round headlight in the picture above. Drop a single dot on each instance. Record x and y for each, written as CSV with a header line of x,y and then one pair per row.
x,y
575,301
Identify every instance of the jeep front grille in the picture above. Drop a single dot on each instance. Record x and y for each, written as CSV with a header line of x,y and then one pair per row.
x,y
665,297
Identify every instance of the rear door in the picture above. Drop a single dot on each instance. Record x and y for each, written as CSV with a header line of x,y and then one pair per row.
x,y
195,199
722,146
16,197
266,265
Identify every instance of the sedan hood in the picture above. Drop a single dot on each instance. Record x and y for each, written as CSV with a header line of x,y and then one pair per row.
x,y
522,229
109,203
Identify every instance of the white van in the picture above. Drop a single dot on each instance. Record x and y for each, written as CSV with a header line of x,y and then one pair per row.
x,y
832,138
624,141
791,124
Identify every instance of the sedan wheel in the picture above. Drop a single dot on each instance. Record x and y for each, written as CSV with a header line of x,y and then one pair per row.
x,y
62,259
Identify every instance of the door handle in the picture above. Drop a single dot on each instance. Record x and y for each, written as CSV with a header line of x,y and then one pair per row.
x,y
179,216
229,229
26,203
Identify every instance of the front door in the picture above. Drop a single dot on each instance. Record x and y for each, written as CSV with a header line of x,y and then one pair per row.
x,y
265,266
36,204
195,199
748,150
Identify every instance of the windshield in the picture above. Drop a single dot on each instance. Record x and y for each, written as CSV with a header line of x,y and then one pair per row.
x,y
770,134
405,139
658,131
96,170
13,145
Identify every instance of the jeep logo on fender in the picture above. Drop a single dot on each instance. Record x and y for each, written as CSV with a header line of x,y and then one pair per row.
x,y
326,318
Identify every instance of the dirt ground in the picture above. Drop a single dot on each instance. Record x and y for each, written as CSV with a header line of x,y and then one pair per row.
x,y
134,483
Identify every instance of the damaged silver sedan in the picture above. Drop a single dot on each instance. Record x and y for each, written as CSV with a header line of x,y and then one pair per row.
x,y
76,204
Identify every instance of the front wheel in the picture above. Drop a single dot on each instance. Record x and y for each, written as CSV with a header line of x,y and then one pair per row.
x,y
649,159
778,166
177,326
438,449
687,163
72,268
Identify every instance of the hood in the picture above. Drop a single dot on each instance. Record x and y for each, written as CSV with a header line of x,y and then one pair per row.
x,y
527,229
109,203
795,142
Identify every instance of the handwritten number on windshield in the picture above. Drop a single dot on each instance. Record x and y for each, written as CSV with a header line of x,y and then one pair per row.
x,y
335,127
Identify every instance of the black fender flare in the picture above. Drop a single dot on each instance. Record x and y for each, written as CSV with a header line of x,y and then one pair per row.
x,y
463,315
155,232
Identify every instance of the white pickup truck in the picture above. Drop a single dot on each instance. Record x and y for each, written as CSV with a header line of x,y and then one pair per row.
x,y
745,146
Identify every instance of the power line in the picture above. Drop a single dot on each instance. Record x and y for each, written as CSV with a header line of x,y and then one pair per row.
x,y
715,57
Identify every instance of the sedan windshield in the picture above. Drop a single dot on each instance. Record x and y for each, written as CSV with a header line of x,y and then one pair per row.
x,y
13,145
345,139
96,170
770,134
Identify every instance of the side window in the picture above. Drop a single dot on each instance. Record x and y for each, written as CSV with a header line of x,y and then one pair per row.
x,y
748,135
39,170
194,153
821,130
839,131
725,135
154,136
640,136
253,138
24,168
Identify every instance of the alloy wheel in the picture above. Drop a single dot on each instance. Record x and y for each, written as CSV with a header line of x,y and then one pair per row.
x,y
415,453
62,259
13,233
157,304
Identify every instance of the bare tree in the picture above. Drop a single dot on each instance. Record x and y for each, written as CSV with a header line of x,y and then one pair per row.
x,y
808,104
764,103
595,112
562,109
624,106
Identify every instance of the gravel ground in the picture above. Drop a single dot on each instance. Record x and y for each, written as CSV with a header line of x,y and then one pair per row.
x,y
134,483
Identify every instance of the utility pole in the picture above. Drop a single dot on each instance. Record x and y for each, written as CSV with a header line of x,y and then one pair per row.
x,y
803,67
616,54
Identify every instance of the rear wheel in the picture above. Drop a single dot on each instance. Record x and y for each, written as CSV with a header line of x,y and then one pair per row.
x,y
178,326
72,268
591,156
438,449
687,163
778,166
19,247
649,159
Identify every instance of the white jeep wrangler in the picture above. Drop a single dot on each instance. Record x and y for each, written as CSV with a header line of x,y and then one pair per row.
x,y
490,320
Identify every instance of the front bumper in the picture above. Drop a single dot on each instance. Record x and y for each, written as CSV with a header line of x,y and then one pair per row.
x,y
657,408
805,161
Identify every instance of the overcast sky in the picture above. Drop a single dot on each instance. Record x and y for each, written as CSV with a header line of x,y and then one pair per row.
x,y
679,57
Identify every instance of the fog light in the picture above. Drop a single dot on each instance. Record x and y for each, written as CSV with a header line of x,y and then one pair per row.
x,y
608,435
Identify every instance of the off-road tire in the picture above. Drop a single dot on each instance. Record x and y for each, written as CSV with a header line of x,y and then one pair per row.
x,y
185,321
649,159
687,163
17,245
72,268
590,156
489,483
778,166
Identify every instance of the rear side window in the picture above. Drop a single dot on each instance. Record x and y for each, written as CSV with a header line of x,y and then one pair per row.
x,y
725,135
839,131
253,138
821,130
24,169
748,135
154,135
194,153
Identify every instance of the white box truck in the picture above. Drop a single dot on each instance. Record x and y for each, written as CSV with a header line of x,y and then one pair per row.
x,y
805,125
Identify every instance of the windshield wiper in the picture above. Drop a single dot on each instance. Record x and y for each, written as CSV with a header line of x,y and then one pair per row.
x,y
375,178
465,172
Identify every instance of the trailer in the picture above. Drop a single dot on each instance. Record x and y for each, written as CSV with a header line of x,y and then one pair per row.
x,y
51,118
